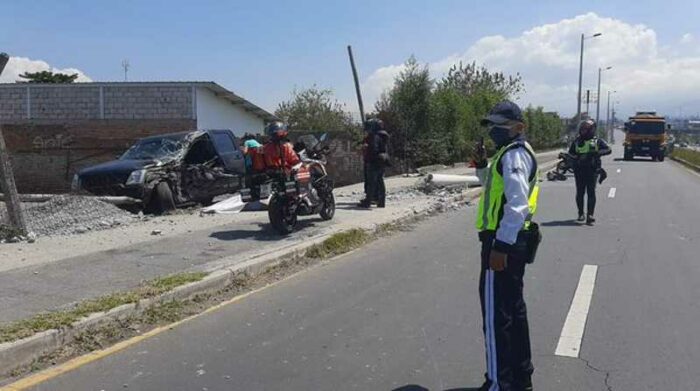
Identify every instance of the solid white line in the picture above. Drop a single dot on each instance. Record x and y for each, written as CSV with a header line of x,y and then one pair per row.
x,y
612,192
572,333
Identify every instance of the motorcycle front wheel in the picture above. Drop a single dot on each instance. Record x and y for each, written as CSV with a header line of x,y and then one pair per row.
x,y
281,218
328,210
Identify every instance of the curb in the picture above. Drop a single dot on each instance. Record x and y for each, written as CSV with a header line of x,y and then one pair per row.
x,y
23,352
686,163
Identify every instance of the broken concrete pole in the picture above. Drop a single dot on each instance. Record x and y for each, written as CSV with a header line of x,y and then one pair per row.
x,y
451,180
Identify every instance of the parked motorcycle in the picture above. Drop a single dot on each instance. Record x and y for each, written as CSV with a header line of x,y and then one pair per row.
x,y
305,191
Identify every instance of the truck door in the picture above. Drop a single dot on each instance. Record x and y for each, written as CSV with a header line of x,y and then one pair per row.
x,y
225,145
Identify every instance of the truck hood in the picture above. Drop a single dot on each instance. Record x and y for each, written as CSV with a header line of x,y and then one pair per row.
x,y
116,167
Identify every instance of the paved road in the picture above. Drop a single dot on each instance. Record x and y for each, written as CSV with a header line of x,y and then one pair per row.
x,y
404,312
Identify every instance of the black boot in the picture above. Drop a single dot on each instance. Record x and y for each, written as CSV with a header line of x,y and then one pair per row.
x,y
590,220
365,203
581,218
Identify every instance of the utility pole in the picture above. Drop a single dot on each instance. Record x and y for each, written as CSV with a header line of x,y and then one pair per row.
x,y
7,178
126,66
7,182
357,85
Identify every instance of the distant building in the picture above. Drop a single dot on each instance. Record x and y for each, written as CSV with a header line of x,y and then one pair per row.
x,y
53,130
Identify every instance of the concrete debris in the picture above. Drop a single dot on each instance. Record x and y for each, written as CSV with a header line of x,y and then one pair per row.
x,y
69,214
156,232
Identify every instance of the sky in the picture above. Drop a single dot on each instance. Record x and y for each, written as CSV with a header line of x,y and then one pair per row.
x,y
264,50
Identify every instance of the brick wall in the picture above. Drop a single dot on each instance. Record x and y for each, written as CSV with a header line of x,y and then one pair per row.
x,y
46,156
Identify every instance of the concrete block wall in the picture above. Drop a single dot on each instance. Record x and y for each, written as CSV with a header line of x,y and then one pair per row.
x,y
13,103
152,102
60,103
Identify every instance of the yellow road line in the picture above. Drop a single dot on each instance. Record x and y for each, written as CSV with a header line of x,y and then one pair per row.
x,y
68,366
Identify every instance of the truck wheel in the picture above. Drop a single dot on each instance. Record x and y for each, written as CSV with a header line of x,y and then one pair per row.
x,y
162,199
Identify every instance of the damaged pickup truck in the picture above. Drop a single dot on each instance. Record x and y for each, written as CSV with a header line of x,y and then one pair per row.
x,y
168,171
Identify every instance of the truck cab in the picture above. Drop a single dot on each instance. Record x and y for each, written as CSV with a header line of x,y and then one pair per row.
x,y
167,171
645,135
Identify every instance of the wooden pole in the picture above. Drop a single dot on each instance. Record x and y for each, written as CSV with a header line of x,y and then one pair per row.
x,y
357,86
7,183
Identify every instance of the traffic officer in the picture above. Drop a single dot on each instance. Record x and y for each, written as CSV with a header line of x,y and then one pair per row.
x,y
509,239
587,150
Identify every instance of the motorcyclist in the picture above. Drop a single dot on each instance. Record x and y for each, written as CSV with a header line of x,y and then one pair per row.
x,y
278,151
587,150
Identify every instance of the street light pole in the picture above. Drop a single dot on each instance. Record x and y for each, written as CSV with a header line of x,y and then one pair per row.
x,y
580,81
597,108
580,75
607,118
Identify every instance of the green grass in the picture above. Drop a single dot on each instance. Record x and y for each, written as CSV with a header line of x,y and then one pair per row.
x,y
339,243
690,156
7,232
58,319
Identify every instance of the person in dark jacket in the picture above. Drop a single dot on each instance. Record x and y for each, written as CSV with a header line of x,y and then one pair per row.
x,y
587,150
376,159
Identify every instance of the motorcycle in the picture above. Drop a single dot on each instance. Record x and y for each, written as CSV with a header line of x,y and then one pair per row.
x,y
565,165
305,191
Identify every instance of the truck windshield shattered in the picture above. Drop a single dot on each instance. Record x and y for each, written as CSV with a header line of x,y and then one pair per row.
x,y
160,148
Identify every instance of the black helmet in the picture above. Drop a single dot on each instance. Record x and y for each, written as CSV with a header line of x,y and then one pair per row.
x,y
277,129
586,128
374,125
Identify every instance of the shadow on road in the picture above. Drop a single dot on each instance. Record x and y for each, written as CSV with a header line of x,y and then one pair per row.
x,y
619,159
414,387
350,206
561,223
264,234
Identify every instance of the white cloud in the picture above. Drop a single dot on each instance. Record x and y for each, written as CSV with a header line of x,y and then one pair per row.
x,y
687,38
547,57
18,65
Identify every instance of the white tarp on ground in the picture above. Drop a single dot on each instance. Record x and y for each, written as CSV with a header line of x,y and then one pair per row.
x,y
234,205
228,206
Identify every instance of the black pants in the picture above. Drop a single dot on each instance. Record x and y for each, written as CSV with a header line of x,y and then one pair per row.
x,y
585,183
375,189
504,314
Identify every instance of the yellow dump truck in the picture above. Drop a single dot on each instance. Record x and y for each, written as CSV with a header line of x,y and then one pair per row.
x,y
645,136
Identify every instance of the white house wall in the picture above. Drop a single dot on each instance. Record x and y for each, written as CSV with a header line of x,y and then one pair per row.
x,y
219,113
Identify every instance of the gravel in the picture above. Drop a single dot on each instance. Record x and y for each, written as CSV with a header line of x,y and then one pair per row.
x,y
68,215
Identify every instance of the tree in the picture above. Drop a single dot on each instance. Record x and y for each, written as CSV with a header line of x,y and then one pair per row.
x,y
48,77
471,79
316,109
409,104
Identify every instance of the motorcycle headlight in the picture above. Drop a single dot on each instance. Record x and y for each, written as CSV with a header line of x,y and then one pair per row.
x,y
75,185
136,177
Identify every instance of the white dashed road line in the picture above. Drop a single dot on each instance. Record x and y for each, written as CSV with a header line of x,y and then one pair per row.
x,y
612,192
572,333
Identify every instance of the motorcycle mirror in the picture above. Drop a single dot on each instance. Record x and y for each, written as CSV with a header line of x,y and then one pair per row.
x,y
323,137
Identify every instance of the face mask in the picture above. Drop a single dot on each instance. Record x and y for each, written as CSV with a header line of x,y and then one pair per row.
x,y
500,135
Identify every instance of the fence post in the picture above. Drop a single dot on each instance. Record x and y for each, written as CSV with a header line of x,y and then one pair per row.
x,y
7,183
